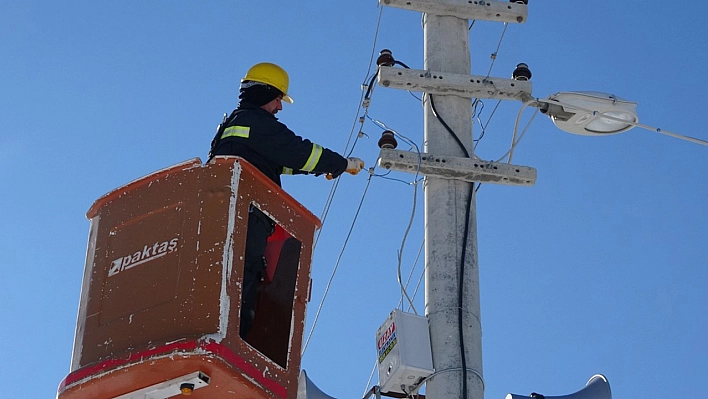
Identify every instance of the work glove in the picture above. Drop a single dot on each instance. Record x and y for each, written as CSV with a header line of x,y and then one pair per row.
x,y
354,165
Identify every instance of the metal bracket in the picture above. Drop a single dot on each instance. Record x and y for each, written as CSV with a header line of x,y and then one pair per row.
x,y
457,168
469,86
168,389
501,11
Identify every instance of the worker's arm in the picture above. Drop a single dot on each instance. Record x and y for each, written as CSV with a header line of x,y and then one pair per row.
x,y
301,155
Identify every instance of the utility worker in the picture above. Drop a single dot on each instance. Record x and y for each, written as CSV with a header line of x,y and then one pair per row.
x,y
254,133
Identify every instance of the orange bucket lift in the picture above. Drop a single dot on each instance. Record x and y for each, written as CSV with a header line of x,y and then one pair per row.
x,y
161,294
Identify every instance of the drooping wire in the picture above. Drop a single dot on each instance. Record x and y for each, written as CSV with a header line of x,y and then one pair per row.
x,y
476,114
403,242
336,266
383,126
514,140
484,126
410,275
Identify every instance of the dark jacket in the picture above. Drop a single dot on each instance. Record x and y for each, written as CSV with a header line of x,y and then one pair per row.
x,y
256,135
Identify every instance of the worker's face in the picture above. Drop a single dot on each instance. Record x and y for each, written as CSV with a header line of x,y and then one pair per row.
x,y
274,105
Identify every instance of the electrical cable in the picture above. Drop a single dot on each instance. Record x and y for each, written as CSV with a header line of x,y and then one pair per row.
x,y
403,243
420,279
336,266
369,90
383,126
476,115
404,292
325,212
514,140
494,54
431,376
489,71
376,37
371,377
333,189
465,237
446,126
410,275
484,127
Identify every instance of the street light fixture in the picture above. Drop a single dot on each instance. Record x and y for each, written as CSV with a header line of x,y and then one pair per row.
x,y
591,113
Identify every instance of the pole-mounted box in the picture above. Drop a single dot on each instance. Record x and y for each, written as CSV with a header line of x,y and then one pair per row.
x,y
403,350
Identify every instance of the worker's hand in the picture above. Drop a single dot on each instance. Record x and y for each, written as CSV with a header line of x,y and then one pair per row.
x,y
354,165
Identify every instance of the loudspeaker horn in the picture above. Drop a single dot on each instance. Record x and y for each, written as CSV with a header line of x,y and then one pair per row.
x,y
306,389
596,388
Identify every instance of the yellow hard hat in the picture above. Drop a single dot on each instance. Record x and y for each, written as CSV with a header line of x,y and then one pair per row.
x,y
268,73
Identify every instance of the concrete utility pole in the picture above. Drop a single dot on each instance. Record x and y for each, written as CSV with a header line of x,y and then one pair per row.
x,y
452,273
447,50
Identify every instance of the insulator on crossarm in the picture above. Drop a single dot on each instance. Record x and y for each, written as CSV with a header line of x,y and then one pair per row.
x,y
387,140
385,58
522,72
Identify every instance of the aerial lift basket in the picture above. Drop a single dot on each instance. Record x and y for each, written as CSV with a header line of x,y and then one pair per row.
x,y
161,294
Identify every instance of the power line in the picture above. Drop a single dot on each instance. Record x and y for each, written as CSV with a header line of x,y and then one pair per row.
x,y
336,266
333,189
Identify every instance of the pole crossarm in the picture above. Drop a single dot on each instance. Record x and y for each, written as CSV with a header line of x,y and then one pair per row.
x,y
458,168
469,86
500,11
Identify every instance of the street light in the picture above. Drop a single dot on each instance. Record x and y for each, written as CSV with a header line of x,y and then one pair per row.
x,y
591,113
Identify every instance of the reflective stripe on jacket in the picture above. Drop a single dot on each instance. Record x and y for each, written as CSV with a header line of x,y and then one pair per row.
x,y
258,136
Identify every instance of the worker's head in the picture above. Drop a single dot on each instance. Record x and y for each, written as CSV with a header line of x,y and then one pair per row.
x,y
263,84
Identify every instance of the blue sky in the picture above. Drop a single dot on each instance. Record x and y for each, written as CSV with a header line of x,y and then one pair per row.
x,y
601,267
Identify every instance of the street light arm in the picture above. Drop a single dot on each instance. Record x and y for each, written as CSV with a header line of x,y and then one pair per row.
x,y
672,134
